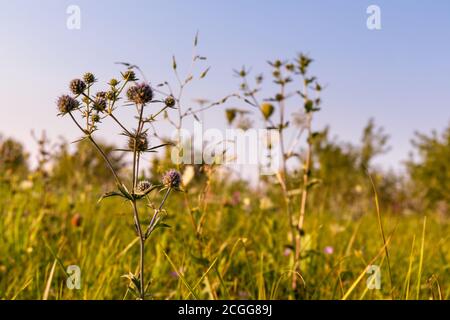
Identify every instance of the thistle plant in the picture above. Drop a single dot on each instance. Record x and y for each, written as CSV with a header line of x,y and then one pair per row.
x,y
88,109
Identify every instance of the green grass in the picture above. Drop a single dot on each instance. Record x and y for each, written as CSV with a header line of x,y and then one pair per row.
x,y
239,255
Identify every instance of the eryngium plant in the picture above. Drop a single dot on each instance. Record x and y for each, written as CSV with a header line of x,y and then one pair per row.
x,y
87,110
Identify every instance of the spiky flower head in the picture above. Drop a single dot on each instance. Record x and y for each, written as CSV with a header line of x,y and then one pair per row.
x,y
95,117
140,93
66,104
171,179
129,75
89,78
110,95
101,94
143,186
169,101
99,104
267,110
113,82
138,142
77,86
231,115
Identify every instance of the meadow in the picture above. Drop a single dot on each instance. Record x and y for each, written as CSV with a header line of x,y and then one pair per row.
x,y
328,225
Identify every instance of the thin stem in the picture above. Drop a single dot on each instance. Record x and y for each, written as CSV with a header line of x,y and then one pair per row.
x,y
157,211
102,153
141,250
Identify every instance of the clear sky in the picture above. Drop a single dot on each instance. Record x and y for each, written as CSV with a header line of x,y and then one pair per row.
x,y
400,75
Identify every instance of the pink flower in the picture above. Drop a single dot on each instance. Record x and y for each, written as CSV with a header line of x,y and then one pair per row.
x,y
328,250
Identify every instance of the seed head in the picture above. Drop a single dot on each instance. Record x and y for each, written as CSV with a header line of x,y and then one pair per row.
x,y
267,110
89,78
141,142
77,86
171,179
66,104
231,115
140,93
143,186
169,101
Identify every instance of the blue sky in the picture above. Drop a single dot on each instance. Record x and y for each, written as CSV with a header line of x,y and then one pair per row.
x,y
400,75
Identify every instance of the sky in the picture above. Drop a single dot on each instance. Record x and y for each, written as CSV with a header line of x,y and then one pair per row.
x,y
399,75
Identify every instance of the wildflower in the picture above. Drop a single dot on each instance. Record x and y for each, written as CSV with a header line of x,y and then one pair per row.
x,y
111,95
89,78
99,104
66,104
140,93
143,186
328,250
138,143
169,101
267,110
95,118
129,75
101,94
113,82
171,179
77,86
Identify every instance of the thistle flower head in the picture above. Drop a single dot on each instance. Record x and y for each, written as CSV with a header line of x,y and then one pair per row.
x,y
169,101
101,94
89,78
140,93
66,104
110,95
113,82
171,179
95,117
143,186
99,104
129,75
138,142
77,86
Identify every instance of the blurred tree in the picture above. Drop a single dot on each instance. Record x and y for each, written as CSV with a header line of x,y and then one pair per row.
x,y
430,174
85,164
13,159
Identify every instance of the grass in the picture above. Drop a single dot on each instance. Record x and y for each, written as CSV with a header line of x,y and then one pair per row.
x,y
239,255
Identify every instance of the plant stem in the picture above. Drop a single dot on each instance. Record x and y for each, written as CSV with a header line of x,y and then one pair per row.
x,y
141,250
